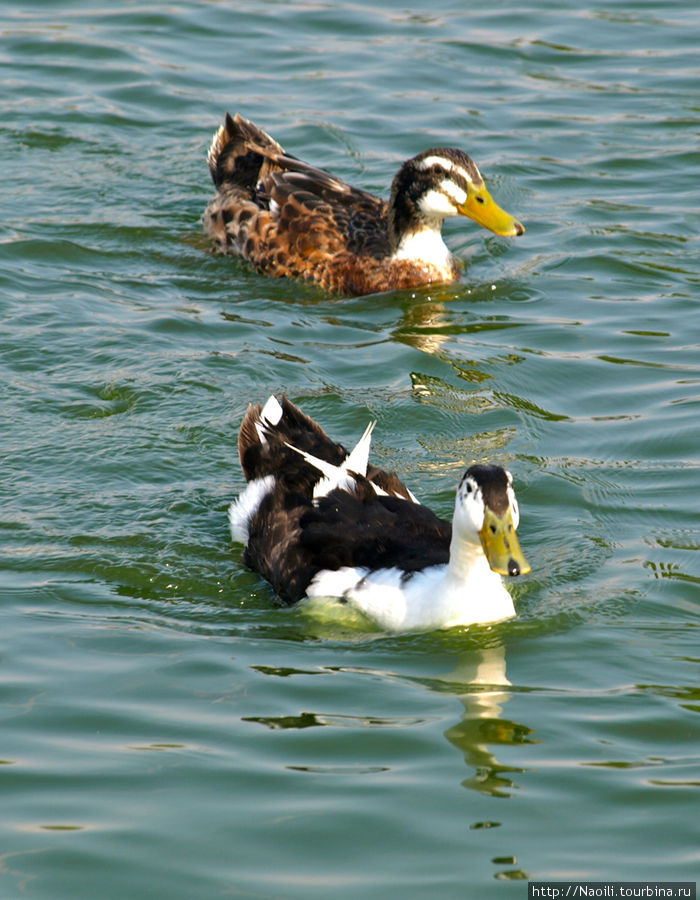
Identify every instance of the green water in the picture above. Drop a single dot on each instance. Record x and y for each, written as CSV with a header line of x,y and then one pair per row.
x,y
167,731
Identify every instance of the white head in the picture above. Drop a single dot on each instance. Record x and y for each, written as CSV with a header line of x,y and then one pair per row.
x,y
486,512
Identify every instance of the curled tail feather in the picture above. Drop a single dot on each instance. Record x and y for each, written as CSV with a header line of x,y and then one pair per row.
x,y
241,154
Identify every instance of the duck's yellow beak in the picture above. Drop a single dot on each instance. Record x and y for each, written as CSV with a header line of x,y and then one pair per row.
x,y
481,207
501,546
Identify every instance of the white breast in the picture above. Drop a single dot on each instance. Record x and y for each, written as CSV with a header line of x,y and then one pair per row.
x,y
425,246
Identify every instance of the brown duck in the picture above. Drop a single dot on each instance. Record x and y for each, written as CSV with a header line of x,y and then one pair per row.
x,y
291,219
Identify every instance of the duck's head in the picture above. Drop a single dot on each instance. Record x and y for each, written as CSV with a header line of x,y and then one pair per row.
x,y
486,510
440,183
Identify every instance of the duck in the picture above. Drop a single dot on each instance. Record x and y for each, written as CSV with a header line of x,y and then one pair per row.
x,y
291,219
323,524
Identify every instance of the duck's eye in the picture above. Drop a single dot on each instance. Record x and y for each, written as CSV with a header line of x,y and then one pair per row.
x,y
437,169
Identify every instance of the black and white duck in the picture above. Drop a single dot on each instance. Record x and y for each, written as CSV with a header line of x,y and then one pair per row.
x,y
320,522
289,218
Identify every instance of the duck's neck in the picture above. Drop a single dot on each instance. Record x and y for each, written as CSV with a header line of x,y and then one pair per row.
x,y
468,560
468,591
471,590
425,245
412,233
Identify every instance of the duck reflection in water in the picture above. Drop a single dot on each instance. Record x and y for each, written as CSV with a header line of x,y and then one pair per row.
x,y
480,681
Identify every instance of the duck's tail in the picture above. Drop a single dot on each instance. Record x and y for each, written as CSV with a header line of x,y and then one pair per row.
x,y
241,154
278,439
280,449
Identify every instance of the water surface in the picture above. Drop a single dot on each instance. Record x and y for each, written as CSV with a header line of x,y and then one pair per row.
x,y
167,730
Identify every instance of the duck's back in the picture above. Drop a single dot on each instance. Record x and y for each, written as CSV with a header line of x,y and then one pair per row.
x,y
292,532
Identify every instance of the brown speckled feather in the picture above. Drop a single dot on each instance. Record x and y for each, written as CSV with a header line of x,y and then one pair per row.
x,y
291,219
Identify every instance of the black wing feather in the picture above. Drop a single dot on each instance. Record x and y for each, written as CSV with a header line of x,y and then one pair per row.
x,y
291,538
